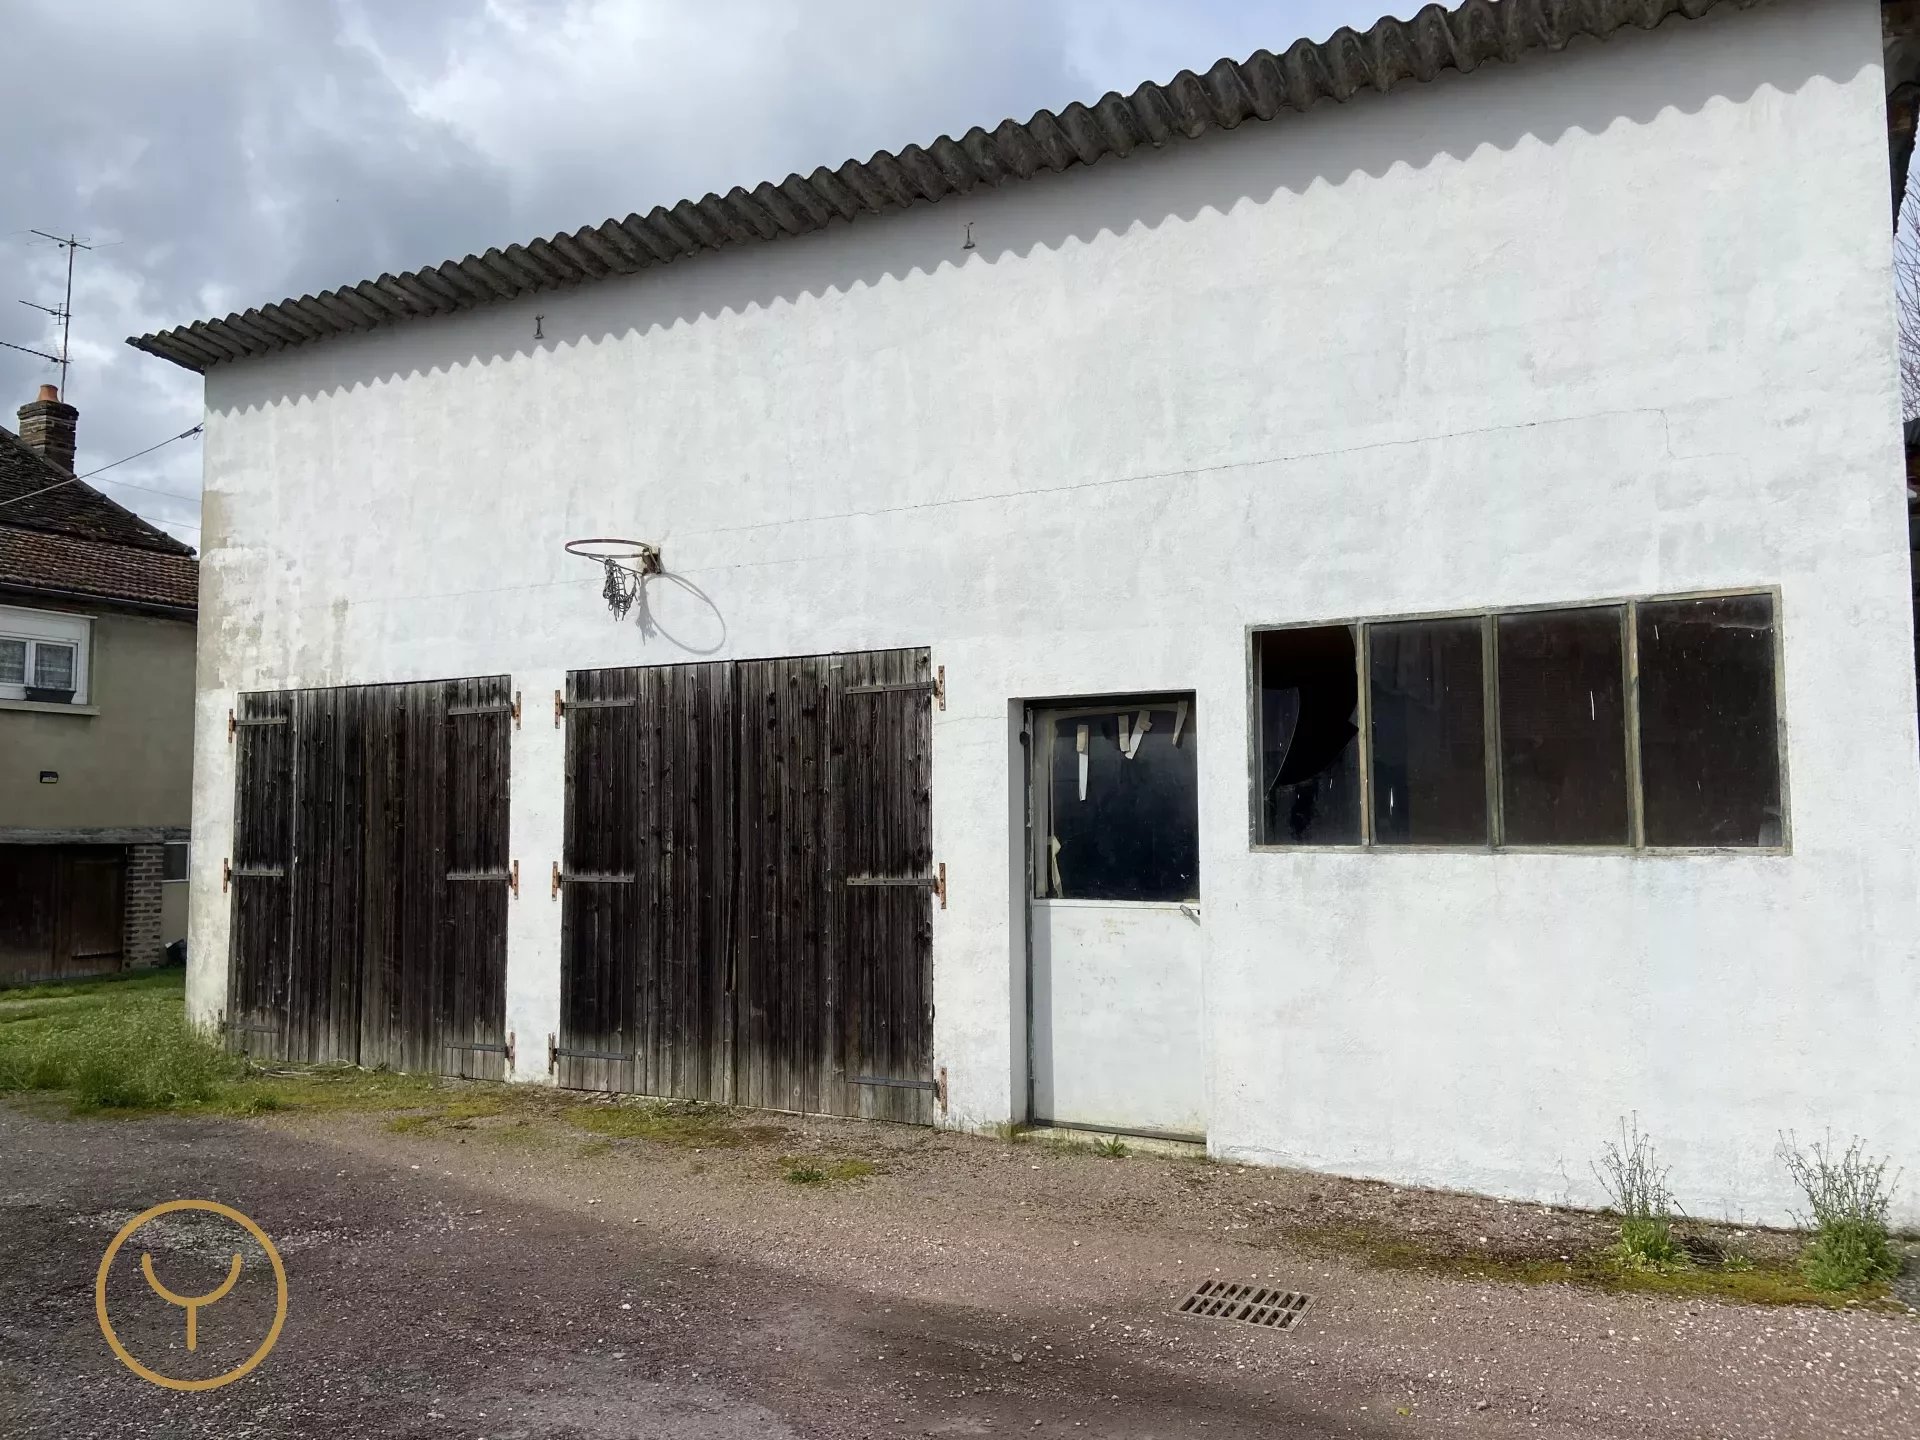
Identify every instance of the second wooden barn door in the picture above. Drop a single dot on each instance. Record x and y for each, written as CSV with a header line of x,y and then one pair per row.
x,y
748,884
370,875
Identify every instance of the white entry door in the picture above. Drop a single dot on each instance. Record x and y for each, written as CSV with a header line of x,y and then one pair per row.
x,y
1115,917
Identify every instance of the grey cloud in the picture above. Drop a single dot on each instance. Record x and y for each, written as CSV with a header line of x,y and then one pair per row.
x,y
228,153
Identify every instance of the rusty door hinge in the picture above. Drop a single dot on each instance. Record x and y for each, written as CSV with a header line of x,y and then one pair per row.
x,y
556,879
940,687
940,885
516,709
559,708
513,879
233,727
226,873
940,1090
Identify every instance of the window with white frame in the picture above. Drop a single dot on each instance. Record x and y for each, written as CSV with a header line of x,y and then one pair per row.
x,y
43,655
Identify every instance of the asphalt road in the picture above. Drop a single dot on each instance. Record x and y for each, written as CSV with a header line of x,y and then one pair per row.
x,y
426,1306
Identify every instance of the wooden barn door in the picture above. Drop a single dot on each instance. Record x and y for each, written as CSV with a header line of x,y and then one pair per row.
x,y
370,876
645,996
260,943
748,884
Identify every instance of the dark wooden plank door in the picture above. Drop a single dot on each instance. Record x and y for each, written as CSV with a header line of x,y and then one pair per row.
x,y
788,910
884,810
747,909
647,882
260,944
62,911
371,875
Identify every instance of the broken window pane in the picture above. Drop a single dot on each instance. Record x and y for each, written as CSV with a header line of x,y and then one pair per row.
x,y
1309,737
1130,830
1563,728
1709,746
1429,733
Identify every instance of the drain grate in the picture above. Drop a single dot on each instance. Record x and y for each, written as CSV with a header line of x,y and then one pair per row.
x,y
1260,1305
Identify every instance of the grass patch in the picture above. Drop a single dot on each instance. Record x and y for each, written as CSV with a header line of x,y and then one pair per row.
x,y
455,1114
683,1124
844,1171
1734,1277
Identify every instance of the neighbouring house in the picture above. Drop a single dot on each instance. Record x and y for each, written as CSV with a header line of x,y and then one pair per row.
x,y
97,612
1354,606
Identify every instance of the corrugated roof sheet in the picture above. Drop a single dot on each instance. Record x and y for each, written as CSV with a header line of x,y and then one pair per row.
x,y
1392,53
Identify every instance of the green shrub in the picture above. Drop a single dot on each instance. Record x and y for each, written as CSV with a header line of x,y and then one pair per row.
x,y
1848,1195
1648,1244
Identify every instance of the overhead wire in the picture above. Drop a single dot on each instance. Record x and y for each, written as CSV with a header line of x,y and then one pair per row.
x,y
75,480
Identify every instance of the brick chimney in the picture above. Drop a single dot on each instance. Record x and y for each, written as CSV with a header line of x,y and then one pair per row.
x,y
47,427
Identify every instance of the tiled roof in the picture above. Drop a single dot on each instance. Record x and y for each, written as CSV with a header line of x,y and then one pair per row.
x,y
1392,53
39,560
74,540
74,508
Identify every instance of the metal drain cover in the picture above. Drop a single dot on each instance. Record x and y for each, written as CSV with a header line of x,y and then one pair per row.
x,y
1260,1305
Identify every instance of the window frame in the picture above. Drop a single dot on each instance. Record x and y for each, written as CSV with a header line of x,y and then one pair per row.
x,y
1628,605
49,627
170,846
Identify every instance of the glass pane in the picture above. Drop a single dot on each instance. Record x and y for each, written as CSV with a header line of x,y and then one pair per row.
x,y
1134,833
1429,733
13,662
174,863
52,665
1309,737
1563,728
1709,747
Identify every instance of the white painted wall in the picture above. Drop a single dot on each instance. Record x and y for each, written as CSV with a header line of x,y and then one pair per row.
x,y
1606,323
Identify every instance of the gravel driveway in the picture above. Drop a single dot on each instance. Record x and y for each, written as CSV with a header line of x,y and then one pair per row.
x,y
506,1278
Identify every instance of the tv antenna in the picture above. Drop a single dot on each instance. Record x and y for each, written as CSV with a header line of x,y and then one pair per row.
x,y
63,312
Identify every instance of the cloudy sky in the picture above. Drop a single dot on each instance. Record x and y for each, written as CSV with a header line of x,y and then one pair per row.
x,y
226,153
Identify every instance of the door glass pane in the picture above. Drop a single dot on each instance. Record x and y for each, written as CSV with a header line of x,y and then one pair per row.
x,y
1563,728
1709,746
13,662
52,665
1131,832
1429,733
1309,737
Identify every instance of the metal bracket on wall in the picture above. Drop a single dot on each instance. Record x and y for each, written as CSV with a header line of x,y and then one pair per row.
x,y
506,1049
555,1050
938,1085
936,687
937,882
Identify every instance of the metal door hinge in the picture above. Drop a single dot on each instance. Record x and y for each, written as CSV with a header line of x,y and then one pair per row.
x,y
559,709
936,687
556,879
940,885
481,1045
936,882
513,879
233,727
516,709
226,873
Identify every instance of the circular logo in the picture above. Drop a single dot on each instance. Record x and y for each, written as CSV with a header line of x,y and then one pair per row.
x,y
192,1304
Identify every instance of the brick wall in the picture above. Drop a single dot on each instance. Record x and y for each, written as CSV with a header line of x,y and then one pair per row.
x,y
141,933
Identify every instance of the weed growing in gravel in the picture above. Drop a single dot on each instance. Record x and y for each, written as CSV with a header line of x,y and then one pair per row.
x,y
1113,1148
832,1172
1636,1183
1848,1195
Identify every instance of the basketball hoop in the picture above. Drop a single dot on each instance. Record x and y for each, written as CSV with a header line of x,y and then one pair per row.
x,y
627,563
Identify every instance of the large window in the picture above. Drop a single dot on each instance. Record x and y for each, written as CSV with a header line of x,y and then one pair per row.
x,y
43,656
1645,724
